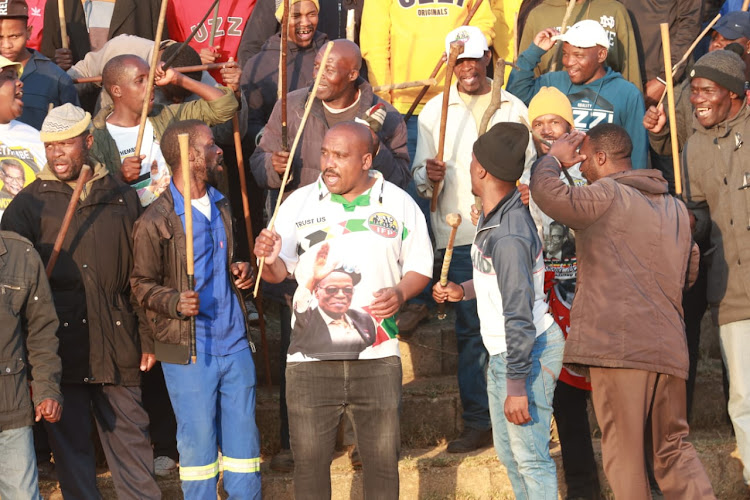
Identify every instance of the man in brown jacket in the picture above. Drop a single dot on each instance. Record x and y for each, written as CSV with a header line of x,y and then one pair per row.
x,y
634,251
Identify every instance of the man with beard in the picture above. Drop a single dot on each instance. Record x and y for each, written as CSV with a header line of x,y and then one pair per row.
x,y
361,216
214,397
469,98
102,345
597,93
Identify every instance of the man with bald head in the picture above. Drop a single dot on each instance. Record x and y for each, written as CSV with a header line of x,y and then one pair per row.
x,y
125,78
342,96
348,221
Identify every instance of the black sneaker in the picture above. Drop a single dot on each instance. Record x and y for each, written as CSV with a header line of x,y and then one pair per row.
x,y
470,440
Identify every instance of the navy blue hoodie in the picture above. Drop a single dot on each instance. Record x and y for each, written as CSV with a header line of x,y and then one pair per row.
x,y
609,99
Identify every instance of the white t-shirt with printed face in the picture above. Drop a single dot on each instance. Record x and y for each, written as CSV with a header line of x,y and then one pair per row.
x,y
153,180
376,244
22,157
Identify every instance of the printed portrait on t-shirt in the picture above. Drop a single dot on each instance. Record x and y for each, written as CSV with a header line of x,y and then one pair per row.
x,y
18,169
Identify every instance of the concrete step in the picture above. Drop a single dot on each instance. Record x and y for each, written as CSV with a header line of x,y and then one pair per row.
x,y
431,473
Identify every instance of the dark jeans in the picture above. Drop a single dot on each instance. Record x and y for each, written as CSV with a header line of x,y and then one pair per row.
x,y
472,355
123,430
581,475
318,394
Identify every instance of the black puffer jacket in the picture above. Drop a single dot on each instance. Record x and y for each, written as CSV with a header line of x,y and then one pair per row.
x,y
99,328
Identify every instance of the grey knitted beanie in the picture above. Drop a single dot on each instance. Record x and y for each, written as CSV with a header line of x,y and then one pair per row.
x,y
723,67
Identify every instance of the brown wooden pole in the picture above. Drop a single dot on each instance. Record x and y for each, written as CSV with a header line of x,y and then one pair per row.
x,y
287,170
151,75
182,69
438,66
189,254
455,49
83,177
745,5
671,104
453,220
404,85
63,23
251,243
283,74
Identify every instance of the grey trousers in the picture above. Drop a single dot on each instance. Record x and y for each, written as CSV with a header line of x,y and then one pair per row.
x,y
123,430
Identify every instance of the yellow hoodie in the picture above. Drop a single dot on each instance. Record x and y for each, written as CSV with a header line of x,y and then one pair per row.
x,y
402,41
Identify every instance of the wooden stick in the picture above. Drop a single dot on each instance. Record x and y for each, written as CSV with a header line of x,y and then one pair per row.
x,y
563,29
456,49
404,85
745,5
250,242
63,24
189,256
283,85
672,116
151,75
350,25
498,80
83,177
453,220
182,69
690,51
287,170
438,66
184,44
515,37
214,25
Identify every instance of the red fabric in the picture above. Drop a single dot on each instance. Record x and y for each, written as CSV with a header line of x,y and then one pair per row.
x,y
561,313
36,21
184,15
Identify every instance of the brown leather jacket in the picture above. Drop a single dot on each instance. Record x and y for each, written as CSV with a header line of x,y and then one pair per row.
x,y
160,273
634,251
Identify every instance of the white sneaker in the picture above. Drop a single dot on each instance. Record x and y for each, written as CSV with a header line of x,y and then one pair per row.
x,y
163,466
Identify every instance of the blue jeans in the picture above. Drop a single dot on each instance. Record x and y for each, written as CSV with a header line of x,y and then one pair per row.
x,y
472,355
318,393
214,399
524,449
18,481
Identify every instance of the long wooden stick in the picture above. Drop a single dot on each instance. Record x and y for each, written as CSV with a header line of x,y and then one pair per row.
x,y
283,75
214,25
690,51
672,115
453,220
456,49
63,24
184,44
181,69
151,74
287,170
250,242
745,5
350,25
83,177
189,256
498,79
563,29
438,66
404,85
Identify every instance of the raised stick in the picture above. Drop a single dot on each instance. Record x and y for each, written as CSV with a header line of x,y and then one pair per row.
x,y
182,69
83,177
63,24
439,65
189,258
404,85
671,104
456,48
250,242
453,220
282,74
284,180
214,25
151,74
184,44
563,29
690,51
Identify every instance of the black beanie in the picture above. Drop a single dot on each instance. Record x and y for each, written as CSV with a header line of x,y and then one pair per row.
x,y
723,67
502,150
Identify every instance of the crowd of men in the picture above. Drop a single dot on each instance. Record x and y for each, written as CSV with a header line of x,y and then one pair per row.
x,y
579,268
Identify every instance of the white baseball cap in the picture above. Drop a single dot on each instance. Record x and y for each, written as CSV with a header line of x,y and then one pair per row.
x,y
585,34
475,44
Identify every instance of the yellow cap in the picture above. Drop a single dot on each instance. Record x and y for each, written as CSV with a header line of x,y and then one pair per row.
x,y
550,101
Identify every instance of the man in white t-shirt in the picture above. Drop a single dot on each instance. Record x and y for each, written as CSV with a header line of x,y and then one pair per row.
x,y
21,150
349,214
116,127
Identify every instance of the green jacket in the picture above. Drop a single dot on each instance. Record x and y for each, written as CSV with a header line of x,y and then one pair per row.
x,y
611,14
27,338
211,112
